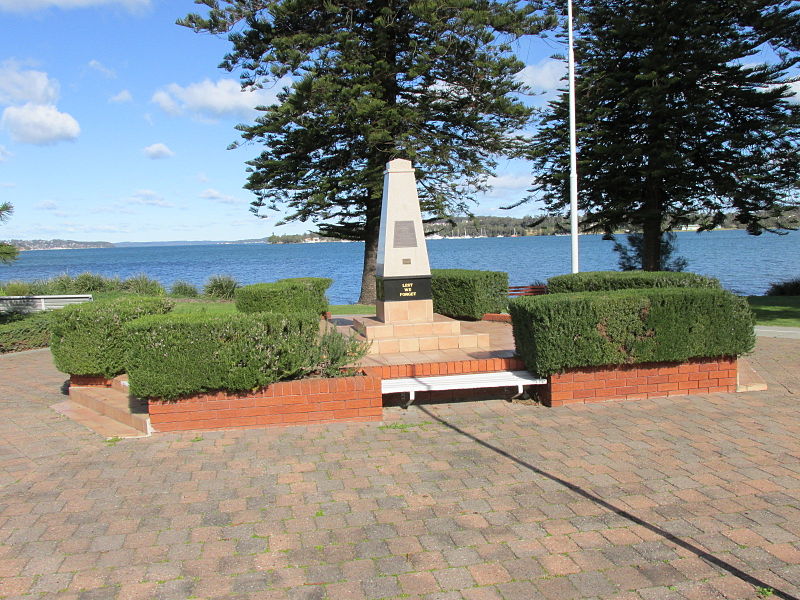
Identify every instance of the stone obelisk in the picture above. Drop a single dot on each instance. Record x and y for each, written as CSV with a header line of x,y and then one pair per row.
x,y
405,321
403,274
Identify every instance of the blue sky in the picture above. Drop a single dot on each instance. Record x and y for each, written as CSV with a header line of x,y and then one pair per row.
x,y
114,124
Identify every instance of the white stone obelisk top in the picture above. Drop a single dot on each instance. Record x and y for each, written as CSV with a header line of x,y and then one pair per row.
x,y
401,244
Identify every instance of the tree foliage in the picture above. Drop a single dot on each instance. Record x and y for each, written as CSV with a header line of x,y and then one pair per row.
x,y
366,81
684,111
8,253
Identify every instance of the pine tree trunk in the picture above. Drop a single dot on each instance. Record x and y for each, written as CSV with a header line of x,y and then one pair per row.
x,y
651,230
371,232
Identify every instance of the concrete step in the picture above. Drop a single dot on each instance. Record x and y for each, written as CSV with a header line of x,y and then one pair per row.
x,y
101,424
374,329
114,404
428,343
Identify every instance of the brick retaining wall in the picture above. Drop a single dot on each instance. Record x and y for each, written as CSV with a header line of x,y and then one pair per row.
x,y
284,403
650,380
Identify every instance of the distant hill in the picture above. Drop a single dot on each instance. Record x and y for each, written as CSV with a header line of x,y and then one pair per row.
x,y
57,244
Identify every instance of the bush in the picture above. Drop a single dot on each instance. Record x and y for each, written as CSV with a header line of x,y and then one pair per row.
x,y
17,288
785,288
318,285
464,294
555,332
221,287
24,332
281,297
87,283
142,285
598,281
179,354
183,289
88,338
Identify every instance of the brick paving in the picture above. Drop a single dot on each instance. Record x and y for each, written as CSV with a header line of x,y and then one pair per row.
x,y
685,498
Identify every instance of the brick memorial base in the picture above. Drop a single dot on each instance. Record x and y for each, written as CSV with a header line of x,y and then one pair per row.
x,y
299,402
649,380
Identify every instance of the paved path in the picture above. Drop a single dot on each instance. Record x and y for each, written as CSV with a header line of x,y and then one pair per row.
x,y
691,497
778,332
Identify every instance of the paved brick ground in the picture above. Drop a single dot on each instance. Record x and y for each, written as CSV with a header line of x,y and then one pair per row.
x,y
691,497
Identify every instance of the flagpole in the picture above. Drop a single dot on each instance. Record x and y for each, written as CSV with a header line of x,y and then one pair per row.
x,y
573,148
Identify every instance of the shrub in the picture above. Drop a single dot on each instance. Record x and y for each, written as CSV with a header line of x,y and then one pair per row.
x,y
179,354
86,283
555,332
785,288
62,284
598,281
88,338
464,294
318,285
222,287
142,285
17,288
24,332
280,297
183,289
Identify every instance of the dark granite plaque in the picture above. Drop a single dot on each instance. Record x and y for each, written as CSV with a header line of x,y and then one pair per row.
x,y
395,289
404,235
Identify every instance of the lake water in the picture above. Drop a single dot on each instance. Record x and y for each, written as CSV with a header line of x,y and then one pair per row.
x,y
745,264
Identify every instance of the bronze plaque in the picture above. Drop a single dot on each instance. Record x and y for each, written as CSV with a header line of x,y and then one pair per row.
x,y
404,235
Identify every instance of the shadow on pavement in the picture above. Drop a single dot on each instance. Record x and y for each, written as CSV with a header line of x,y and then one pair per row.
x,y
757,583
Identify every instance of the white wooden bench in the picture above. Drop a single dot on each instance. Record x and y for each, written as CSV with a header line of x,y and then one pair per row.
x,y
470,381
38,303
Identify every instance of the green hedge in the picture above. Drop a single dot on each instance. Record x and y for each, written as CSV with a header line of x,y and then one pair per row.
x,y
465,294
88,338
174,355
24,332
600,281
303,294
560,331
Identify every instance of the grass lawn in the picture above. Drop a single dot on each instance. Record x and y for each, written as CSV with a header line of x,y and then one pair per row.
x,y
780,311
352,309
219,307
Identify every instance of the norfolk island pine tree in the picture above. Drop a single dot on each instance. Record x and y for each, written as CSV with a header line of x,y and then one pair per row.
x,y
431,81
679,116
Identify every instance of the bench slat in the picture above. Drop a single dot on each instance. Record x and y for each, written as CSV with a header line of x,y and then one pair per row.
x,y
460,382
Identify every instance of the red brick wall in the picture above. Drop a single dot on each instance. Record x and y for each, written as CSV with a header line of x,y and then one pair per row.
x,y
89,380
284,403
651,380
455,367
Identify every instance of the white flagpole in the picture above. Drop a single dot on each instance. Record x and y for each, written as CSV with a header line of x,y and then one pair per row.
x,y
573,149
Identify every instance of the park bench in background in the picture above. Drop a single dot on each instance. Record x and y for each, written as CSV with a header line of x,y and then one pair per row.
x,y
39,303
527,290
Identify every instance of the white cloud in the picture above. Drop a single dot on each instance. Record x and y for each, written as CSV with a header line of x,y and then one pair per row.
x,y
214,99
544,76
148,198
101,68
39,124
4,154
795,87
32,116
212,194
507,182
159,150
47,205
22,6
19,86
123,96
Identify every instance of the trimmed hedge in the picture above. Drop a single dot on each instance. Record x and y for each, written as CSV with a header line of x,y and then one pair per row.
x,y
25,332
600,281
306,294
88,338
555,332
175,355
465,294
